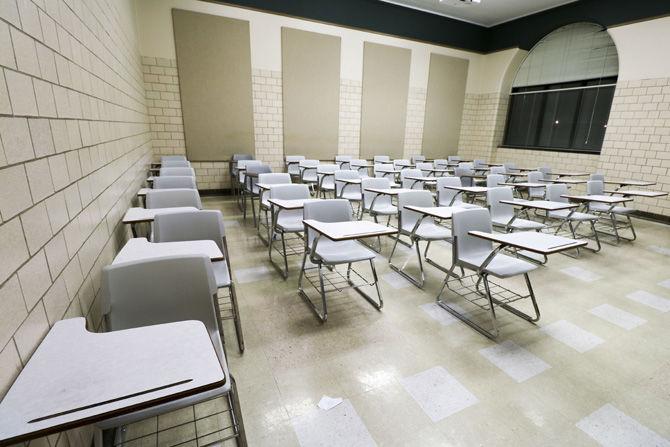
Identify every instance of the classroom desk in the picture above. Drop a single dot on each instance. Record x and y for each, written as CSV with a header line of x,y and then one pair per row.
x,y
424,180
136,215
389,172
623,183
611,221
140,248
492,294
566,180
276,206
543,205
569,174
608,200
107,375
441,172
523,184
345,231
471,190
636,193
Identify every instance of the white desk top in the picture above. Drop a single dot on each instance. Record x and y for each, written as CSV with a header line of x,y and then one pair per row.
x,y
542,243
569,174
567,181
546,205
421,179
294,204
76,377
270,185
352,181
139,248
516,174
441,212
136,214
354,229
637,193
388,191
150,178
470,189
629,182
524,185
598,198
143,192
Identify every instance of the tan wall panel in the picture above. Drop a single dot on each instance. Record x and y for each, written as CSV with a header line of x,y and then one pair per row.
x,y
384,101
311,93
444,105
214,64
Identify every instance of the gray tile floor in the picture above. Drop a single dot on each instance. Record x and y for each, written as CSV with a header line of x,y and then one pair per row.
x,y
594,370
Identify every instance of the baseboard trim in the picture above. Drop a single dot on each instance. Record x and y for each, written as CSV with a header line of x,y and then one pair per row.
x,y
653,217
215,192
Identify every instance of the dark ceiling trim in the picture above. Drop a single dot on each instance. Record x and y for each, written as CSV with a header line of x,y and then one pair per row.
x,y
390,19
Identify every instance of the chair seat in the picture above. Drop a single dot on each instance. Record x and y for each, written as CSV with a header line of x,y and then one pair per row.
x,y
339,252
384,209
519,224
328,187
502,266
604,208
221,275
290,223
351,194
309,178
429,231
562,214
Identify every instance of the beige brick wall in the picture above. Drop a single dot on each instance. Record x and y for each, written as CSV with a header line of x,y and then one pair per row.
x,y
75,144
350,117
416,109
268,117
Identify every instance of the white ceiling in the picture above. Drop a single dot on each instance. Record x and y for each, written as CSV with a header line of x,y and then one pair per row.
x,y
487,13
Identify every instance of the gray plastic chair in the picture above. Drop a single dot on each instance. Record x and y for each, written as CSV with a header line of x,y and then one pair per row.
x,y
250,189
234,171
453,158
493,180
597,176
375,204
441,163
546,172
417,159
381,159
172,198
479,164
165,158
411,184
175,181
269,178
554,193
350,191
286,221
293,164
417,227
325,174
510,167
502,214
462,173
204,225
451,197
478,255
401,163
535,177
360,166
342,161
385,170
498,170
596,187
308,172
167,290
426,168
177,171
326,253
176,164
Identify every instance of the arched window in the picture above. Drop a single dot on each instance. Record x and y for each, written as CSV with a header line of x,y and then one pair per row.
x,y
562,94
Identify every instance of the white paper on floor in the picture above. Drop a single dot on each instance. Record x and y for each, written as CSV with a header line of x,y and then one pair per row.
x,y
617,316
252,274
649,299
441,315
611,427
438,393
327,402
582,274
572,335
660,250
396,280
338,427
515,361
665,283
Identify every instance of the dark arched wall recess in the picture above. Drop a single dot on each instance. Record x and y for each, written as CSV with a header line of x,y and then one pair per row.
x,y
387,18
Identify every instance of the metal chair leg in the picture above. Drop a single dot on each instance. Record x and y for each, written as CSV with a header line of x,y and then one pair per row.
x,y
237,319
234,402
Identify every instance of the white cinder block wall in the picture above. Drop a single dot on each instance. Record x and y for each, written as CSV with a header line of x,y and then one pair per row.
x,y
75,144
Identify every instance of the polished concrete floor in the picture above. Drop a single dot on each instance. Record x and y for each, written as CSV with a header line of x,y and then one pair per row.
x,y
594,369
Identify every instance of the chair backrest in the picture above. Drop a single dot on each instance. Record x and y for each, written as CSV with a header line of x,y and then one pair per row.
x,y
401,163
446,195
274,178
175,181
466,164
165,158
425,167
594,187
597,176
479,163
460,172
500,211
546,172
413,184
416,198
441,163
293,168
294,158
555,191
417,158
258,170
345,174
324,174
335,210
343,161
380,158
177,171
368,197
509,167
493,180
245,163
464,221
497,170
453,158
180,288
535,177
381,170
359,165
176,164
238,157
190,226
290,192
171,198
